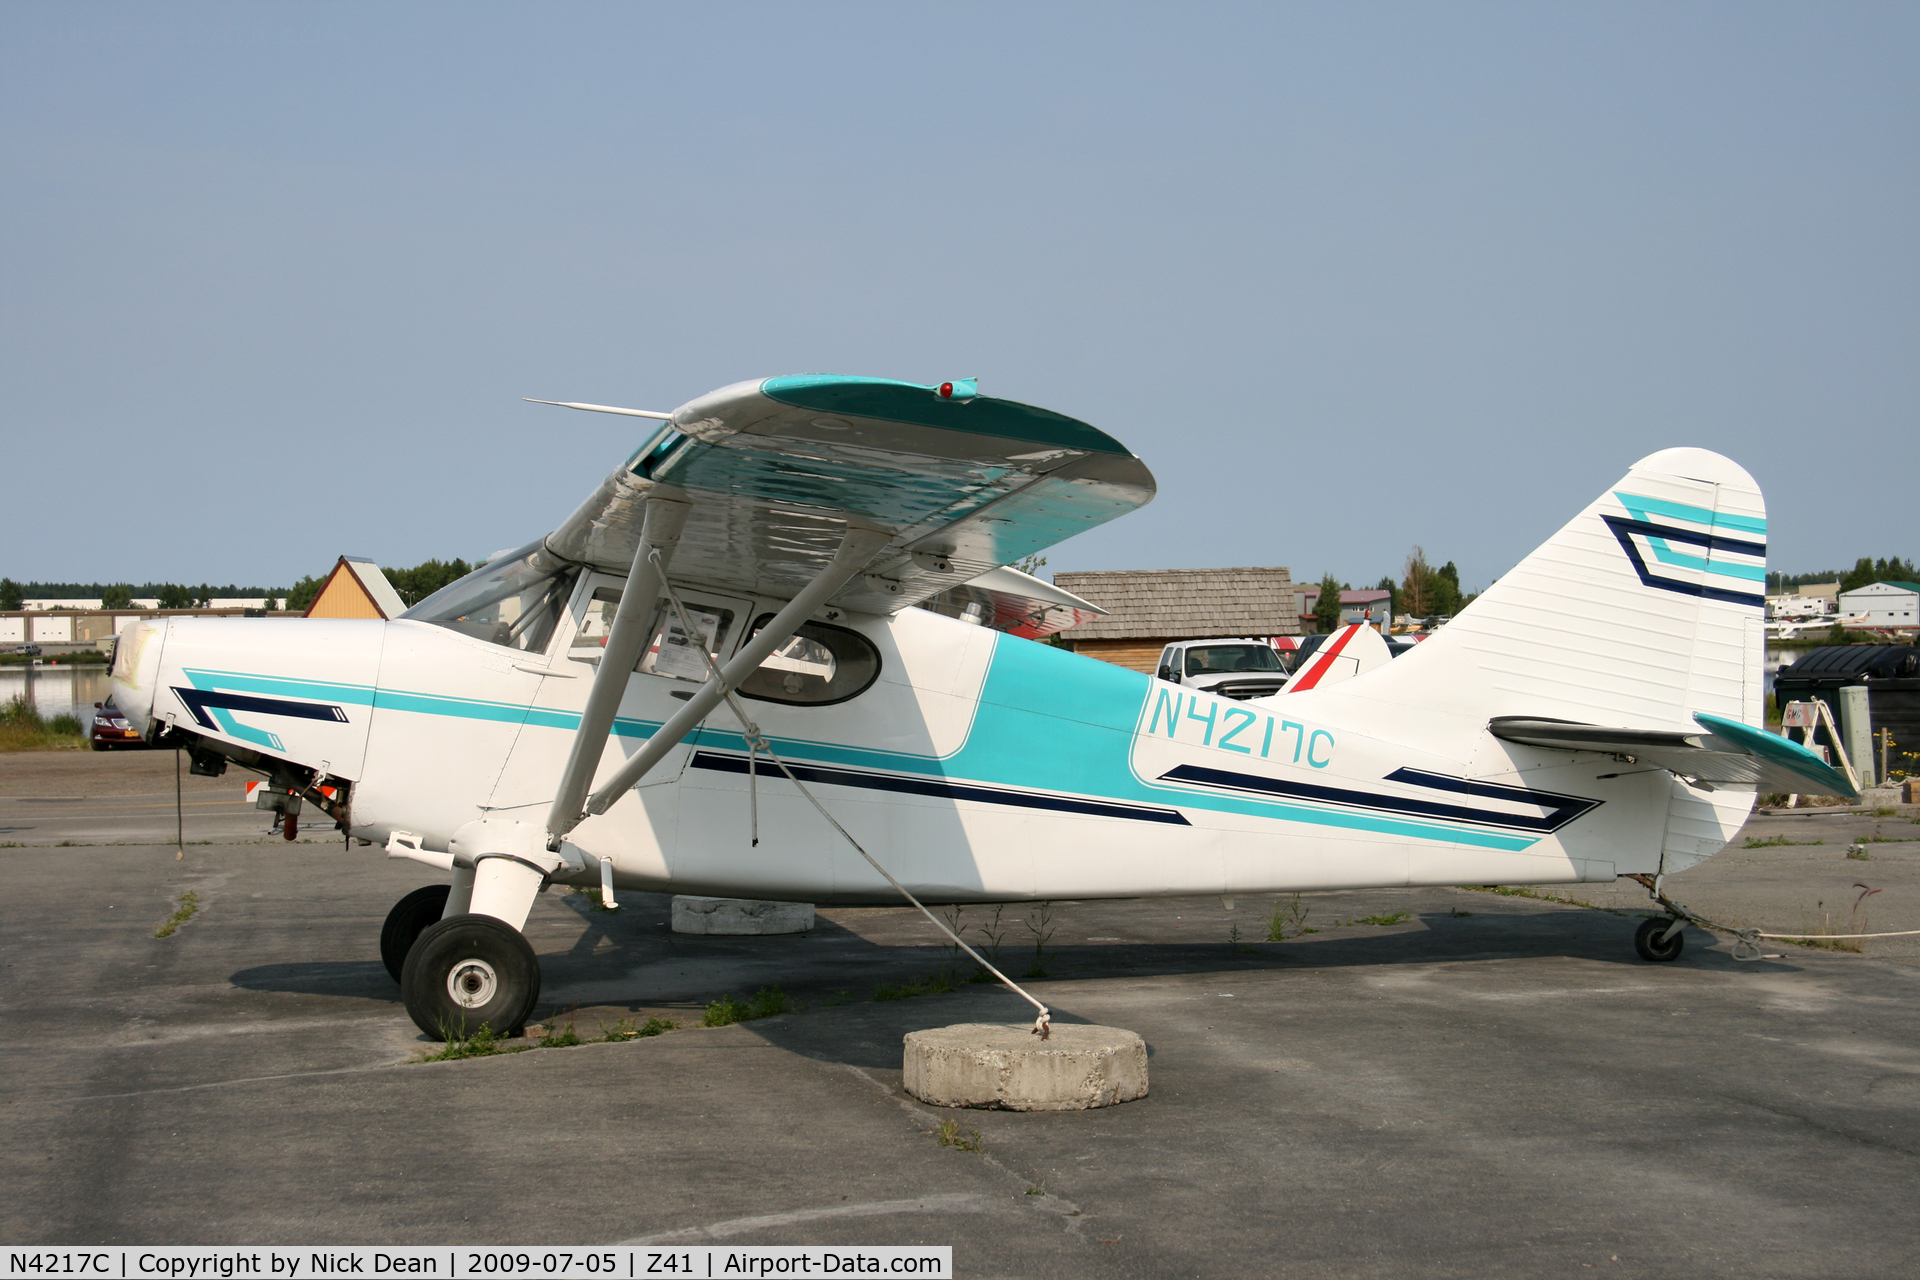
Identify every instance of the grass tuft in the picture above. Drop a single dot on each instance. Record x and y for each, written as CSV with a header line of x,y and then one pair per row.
x,y
625,1029
950,1136
483,1043
592,895
767,1002
1288,919
1514,891
1776,842
189,902
22,728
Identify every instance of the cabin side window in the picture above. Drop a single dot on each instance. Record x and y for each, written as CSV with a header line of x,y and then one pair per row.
x,y
674,645
820,664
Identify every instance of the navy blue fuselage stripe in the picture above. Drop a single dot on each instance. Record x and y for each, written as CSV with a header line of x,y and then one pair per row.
x,y
940,789
1562,809
1624,530
198,700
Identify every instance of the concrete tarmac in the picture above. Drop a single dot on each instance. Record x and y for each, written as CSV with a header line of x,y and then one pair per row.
x,y
1493,1085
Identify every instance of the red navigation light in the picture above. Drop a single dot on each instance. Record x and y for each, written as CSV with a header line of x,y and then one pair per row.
x,y
946,391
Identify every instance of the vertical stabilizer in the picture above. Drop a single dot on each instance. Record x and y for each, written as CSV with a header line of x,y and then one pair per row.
x,y
1645,609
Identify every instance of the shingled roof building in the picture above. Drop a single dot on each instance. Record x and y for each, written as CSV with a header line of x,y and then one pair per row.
x,y
1147,608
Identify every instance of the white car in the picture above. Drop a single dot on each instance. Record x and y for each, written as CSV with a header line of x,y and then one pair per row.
x,y
1239,667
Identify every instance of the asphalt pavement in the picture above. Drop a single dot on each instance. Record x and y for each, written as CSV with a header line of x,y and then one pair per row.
x,y
1488,1085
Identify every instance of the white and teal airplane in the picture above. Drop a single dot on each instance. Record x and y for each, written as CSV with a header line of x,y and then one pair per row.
x,y
824,557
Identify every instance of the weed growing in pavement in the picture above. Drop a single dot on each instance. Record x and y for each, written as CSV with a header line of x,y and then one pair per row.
x,y
724,1012
1039,923
553,1037
1858,854
1879,840
1886,813
952,917
1233,940
1826,926
993,931
1514,891
1397,917
950,1136
1288,919
1458,914
591,892
481,1044
624,1029
1775,842
839,998
189,902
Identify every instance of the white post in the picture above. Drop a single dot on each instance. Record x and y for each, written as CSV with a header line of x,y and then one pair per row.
x,y
1856,725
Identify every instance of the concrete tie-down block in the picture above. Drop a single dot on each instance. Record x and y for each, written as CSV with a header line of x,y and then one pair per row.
x,y
740,917
981,1065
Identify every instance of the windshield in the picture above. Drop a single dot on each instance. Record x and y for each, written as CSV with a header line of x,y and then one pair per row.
x,y
514,601
1217,658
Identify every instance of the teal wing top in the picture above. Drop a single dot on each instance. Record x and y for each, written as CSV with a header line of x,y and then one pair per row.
x,y
774,469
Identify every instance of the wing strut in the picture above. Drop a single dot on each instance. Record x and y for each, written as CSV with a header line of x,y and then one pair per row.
x,y
661,533
857,549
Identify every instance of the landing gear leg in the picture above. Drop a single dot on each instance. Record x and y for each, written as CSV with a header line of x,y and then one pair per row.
x,y
473,967
1660,939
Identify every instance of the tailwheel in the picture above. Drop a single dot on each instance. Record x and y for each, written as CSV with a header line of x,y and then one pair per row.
x,y
1650,943
470,971
409,919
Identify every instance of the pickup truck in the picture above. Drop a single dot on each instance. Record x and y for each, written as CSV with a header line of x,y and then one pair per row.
x,y
1238,668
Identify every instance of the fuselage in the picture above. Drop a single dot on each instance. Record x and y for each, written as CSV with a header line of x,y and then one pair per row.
x,y
975,765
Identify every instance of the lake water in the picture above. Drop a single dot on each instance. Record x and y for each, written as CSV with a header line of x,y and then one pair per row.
x,y
56,691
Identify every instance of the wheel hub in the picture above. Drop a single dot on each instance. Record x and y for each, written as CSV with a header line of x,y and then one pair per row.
x,y
472,983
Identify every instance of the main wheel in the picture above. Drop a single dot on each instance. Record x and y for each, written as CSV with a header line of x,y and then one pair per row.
x,y
1646,940
409,919
467,972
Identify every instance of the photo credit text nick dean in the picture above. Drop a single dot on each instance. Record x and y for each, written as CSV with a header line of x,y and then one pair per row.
x,y
620,1262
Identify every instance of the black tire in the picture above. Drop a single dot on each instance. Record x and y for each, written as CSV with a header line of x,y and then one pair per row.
x,y
409,919
485,957
1646,940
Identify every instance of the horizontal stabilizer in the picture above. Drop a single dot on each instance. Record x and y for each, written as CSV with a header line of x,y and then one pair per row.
x,y
1726,753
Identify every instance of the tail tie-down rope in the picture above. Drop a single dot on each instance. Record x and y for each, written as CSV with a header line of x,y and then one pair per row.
x,y
757,743
1746,942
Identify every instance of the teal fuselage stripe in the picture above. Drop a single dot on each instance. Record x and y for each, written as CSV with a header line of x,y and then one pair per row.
x,y
1080,744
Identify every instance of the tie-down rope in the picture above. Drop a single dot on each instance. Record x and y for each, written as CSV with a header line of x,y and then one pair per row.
x,y
1746,941
757,742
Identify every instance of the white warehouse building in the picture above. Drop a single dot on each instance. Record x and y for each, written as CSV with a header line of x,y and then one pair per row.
x,y
1883,604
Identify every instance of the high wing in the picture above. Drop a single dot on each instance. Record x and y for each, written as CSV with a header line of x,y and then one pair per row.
x,y
775,470
1728,752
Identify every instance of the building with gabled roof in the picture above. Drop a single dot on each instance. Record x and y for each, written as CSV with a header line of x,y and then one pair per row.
x,y
1883,605
1148,609
356,589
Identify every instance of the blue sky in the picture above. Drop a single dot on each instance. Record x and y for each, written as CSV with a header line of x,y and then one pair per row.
x,y
1349,277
